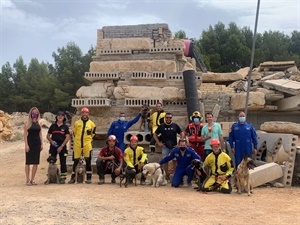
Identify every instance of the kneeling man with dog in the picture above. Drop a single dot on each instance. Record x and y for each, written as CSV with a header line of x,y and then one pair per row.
x,y
110,160
221,169
184,156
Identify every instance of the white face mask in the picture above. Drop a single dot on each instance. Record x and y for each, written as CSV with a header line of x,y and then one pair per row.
x,y
122,118
242,119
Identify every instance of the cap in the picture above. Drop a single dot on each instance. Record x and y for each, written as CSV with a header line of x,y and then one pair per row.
x,y
85,110
214,142
134,138
60,113
112,137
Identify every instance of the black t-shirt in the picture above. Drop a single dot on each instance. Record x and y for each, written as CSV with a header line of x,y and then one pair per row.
x,y
168,134
58,133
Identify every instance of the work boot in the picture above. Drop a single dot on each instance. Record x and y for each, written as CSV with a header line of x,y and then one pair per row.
x,y
71,181
113,180
62,180
152,151
88,181
143,181
101,181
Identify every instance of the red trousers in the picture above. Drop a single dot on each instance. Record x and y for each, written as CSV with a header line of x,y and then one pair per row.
x,y
199,148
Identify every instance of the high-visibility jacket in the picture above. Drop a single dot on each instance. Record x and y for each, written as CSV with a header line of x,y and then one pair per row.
x,y
132,157
84,131
156,119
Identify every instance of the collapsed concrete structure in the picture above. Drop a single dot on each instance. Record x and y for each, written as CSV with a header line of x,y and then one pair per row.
x,y
144,64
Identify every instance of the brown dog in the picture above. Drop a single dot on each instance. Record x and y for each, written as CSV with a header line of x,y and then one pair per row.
x,y
53,172
80,171
243,182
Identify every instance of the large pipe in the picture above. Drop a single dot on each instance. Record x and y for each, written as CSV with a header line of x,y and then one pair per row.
x,y
191,92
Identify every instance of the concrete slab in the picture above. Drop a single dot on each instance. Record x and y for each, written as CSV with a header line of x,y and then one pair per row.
x,y
289,104
283,85
265,173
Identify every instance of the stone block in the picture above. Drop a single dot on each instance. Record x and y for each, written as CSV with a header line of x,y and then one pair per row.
x,y
281,127
256,101
221,77
283,85
289,104
265,173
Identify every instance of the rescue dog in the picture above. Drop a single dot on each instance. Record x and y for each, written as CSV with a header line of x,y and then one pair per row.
x,y
53,171
80,171
201,172
157,174
145,113
124,177
243,182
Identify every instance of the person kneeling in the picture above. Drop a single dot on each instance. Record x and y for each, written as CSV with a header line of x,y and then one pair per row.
x,y
184,156
109,161
135,159
222,168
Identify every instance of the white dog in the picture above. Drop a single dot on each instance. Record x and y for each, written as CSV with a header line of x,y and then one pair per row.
x,y
157,173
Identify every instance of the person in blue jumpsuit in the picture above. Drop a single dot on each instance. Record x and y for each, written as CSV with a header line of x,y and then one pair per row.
x,y
242,139
184,156
119,127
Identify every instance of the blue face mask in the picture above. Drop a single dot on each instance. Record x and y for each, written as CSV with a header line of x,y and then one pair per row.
x,y
242,119
122,118
196,120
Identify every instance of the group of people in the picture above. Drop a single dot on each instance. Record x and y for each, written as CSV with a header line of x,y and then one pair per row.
x,y
199,141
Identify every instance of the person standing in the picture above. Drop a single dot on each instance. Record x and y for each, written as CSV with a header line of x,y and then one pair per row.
x,y
84,130
168,134
33,139
135,159
193,131
242,139
184,156
119,127
221,169
109,161
58,136
210,131
155,120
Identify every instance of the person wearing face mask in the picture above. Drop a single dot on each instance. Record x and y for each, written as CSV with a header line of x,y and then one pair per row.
x,y
193,131
33,139
242,139
58,136
184,156
84,130
120,126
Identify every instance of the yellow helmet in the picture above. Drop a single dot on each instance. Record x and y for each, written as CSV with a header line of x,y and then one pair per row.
x,y
196,114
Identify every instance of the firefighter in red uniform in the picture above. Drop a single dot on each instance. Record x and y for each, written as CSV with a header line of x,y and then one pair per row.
x,y
193,131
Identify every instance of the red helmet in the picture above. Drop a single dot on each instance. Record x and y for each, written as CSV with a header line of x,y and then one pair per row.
x,y
134,138
112,137
214,142
86,110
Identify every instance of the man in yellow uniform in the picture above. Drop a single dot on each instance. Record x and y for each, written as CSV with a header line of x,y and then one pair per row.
x,y
83,131
155,120
135,159
221,169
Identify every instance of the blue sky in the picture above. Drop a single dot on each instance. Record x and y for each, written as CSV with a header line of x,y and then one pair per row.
x,y
36,28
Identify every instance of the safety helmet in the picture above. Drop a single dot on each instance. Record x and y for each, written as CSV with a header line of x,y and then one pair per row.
x,y
214,141
196,114
112,137
134,138
86,110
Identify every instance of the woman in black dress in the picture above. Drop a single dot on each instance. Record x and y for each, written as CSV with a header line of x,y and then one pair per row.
x,y
33,144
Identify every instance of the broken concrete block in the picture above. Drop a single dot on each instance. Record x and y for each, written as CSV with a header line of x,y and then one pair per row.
x,y
265,173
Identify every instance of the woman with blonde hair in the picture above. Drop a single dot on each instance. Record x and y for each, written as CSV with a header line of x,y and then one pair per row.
x,y
33,144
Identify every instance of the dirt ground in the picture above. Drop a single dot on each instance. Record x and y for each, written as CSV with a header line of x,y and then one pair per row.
x,y
110,204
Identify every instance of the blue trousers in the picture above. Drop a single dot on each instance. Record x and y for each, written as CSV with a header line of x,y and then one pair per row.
x,y
179,173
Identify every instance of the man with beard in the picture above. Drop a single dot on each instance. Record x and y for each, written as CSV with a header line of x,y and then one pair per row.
x,y
184,156
168,138
83,131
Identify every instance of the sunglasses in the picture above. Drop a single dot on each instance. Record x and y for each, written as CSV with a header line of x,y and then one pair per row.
x,y
168,117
